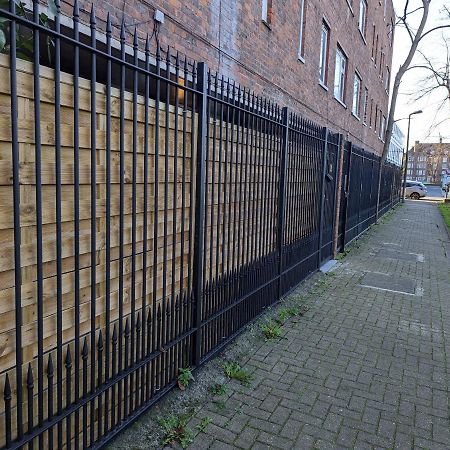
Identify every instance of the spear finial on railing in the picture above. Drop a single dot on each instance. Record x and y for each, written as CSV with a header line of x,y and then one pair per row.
x,y
108,24
135,39
76,11
122,31
93,18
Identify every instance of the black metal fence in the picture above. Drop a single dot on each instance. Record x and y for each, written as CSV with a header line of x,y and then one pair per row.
x,y
182,205
359,191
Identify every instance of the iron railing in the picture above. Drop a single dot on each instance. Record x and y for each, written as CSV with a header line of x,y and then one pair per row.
x,y
166,207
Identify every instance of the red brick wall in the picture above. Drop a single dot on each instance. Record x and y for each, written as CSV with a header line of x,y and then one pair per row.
x,y
231,37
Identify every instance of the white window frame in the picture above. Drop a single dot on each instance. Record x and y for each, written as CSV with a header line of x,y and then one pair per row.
x,y
323,57
301,41
362,19
340,75
356,105
387,80
265,16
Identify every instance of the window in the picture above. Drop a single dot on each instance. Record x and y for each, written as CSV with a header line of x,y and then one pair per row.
x,y
362,17
266,11
340,73
376,119
376,49
387,80
323,67
365,104
371,113
301,45
383,128
356,110
391,33
373,42
380,72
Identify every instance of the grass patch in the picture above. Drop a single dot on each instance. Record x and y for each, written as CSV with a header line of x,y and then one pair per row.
x,y
201,427
218,389
235,372
220,405
176,430
444,208
271,329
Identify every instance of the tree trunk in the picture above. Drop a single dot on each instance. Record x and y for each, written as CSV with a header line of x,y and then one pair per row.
x,y
398,78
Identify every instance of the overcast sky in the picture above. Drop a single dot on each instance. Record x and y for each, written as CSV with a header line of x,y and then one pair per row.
x,y
422,126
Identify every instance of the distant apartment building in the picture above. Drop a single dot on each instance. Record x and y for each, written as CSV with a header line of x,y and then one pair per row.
x,y
428,162
330,61
396,146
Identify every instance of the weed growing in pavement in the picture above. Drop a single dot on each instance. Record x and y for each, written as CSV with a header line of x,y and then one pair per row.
x,y
235,372
271,329
218,389
201,427
184,377
176,430
289,312
220,404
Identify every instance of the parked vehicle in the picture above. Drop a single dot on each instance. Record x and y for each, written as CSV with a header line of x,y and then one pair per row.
x,y
415,190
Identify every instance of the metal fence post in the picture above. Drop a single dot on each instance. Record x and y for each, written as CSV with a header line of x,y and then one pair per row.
x,y
282,195
322,194
337,195
202,86
347,191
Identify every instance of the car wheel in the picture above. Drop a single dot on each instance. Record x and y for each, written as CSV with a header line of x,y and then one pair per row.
x,y
415,196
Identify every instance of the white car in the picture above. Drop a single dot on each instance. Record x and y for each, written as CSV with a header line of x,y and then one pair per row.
x,y
415,190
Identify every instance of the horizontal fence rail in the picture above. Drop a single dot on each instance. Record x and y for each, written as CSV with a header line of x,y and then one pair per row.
x,y
150,209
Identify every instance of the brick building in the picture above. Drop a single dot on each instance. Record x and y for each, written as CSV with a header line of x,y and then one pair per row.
x,y
428,161
329,61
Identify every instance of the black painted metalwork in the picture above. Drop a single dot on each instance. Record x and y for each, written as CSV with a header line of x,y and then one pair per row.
x,y
217,202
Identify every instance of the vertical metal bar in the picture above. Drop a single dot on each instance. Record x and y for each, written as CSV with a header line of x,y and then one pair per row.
x,y
155,218
68,364
213,178
38,199
282,194
337,195
17,231
113,373
219,247
191,186
84,357
50,401
183,176
231,203
7,401
246,207
200,205
99,382
121,215
145,221
175,182
133,216
108,217
59,305
30,388
93,22
322,194
240,148
347,190
76,201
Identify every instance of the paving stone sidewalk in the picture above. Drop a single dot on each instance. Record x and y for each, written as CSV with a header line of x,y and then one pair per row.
x,y
366,367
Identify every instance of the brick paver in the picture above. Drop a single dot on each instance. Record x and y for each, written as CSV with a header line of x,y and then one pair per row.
x,y
364,368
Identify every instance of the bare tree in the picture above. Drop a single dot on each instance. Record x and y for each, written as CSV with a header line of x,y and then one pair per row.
x,y
416,36
436,79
